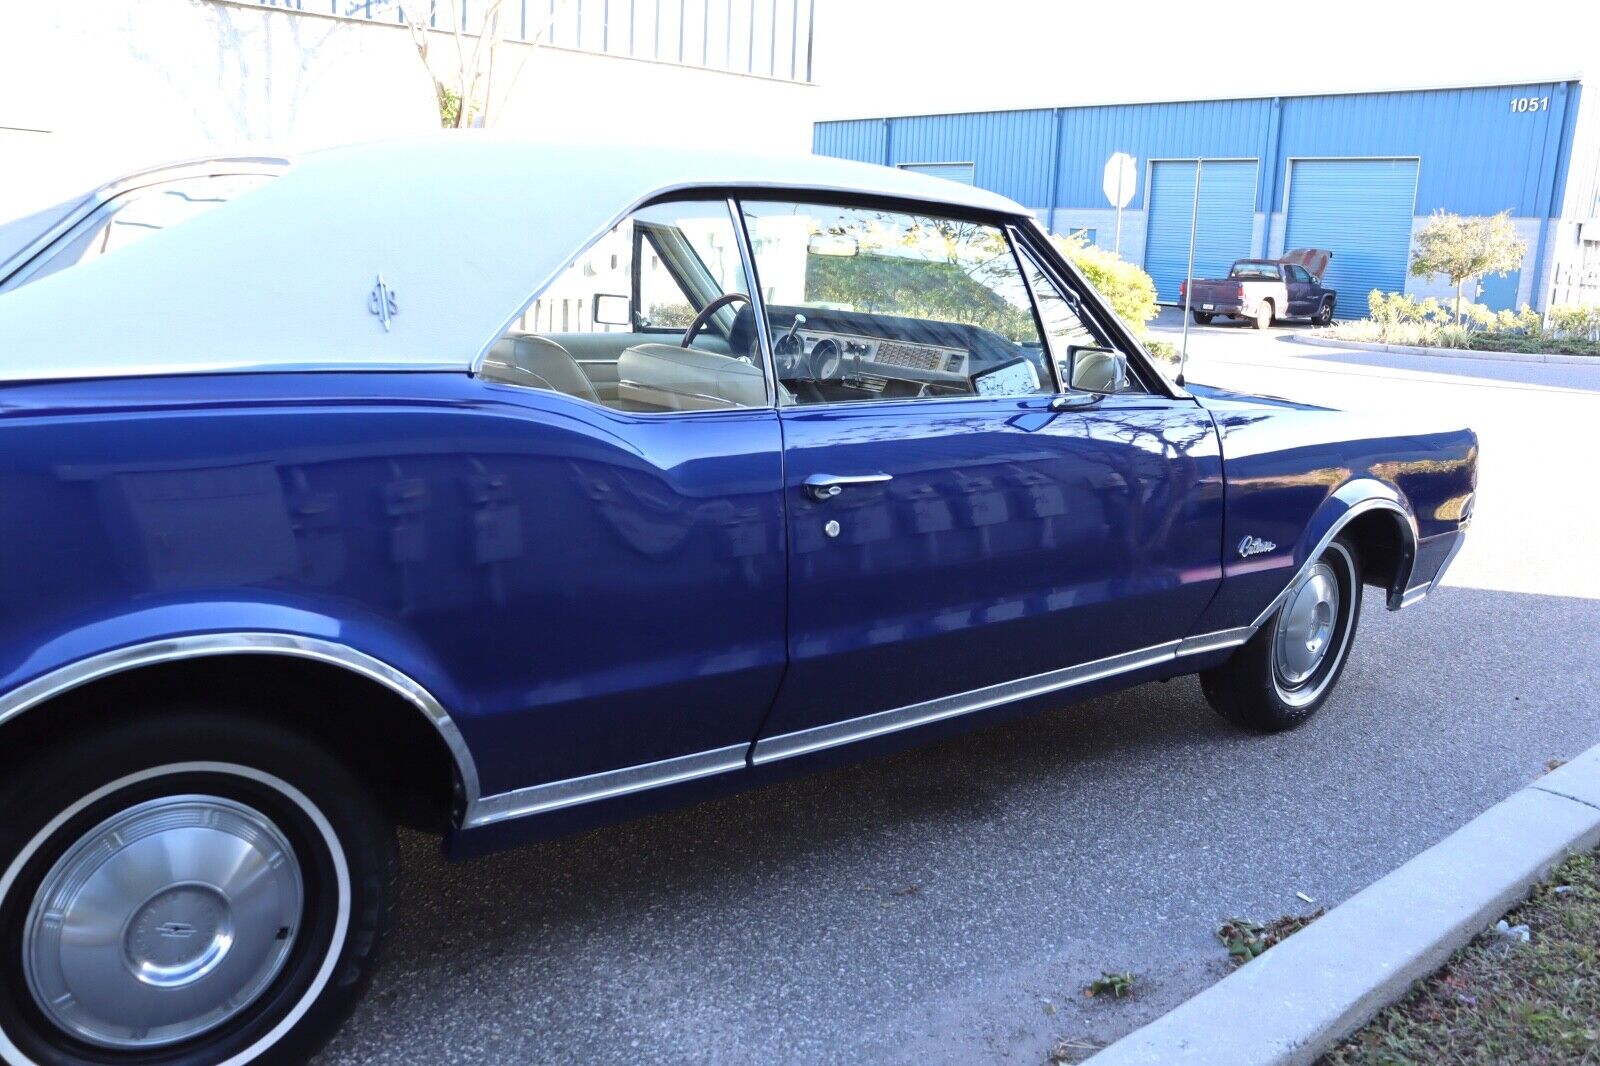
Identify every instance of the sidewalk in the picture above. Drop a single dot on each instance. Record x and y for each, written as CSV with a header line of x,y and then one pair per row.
x,y
1324,982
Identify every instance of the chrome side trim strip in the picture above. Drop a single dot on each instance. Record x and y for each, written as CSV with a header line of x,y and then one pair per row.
x,y
1416,595
537,799
1217,641
48,686
832,735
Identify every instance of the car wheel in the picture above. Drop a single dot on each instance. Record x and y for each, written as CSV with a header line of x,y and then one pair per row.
x,y
1263,317
1203,318
1324,313
186,888
1286,671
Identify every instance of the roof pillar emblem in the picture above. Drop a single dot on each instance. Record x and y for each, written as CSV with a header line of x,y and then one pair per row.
x,y
381,302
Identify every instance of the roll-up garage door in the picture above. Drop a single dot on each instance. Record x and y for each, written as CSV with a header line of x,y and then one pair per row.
x,y
1359,209
1226,221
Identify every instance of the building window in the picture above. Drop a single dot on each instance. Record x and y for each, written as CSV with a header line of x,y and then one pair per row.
x,y
962,172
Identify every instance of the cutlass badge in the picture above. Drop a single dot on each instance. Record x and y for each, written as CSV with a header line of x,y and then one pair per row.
x,y
1254,546
381,302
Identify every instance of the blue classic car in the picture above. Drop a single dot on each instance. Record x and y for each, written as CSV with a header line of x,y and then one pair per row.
x,y
500,489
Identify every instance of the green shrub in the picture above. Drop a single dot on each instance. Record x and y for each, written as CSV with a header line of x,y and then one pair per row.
x,y
1128,289
1400,319
1577,322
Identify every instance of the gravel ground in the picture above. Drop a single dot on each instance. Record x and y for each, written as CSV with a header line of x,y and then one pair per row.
x,y
947,905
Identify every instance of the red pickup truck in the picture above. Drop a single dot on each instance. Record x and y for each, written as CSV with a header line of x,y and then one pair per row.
x,y
1262,290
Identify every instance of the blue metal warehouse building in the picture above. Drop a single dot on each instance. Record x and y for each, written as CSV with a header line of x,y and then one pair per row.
x,y
1356,173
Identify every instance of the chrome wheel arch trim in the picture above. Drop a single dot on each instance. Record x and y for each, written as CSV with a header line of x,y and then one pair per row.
x,y
46,687
10,1053
1363,497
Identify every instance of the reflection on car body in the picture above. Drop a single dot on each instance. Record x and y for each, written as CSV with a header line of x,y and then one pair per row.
x,y
688,473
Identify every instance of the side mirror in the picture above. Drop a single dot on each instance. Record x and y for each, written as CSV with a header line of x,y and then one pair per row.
x,y
612,310
1094,370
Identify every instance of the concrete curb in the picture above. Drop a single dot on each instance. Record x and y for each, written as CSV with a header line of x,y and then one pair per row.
x,y
1324,982
1453,353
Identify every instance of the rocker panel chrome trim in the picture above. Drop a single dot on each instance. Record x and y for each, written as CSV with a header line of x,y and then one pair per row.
x,y
32,693
817,738
555,795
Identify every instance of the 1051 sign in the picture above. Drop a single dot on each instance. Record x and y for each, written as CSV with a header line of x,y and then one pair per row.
x,y
1523,104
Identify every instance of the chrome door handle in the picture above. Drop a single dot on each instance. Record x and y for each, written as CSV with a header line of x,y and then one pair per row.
x,y
1075,401
827,486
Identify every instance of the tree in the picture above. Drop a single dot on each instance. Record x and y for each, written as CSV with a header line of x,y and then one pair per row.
x,y
464,80
1464,248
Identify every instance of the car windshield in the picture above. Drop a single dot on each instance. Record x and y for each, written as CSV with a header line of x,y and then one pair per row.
x,y
1254,270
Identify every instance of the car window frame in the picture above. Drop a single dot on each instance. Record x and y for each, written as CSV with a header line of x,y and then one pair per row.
x,y
1066,277
1004,223
705,196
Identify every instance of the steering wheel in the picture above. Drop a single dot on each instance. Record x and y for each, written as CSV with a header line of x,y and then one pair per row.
x,y
706,312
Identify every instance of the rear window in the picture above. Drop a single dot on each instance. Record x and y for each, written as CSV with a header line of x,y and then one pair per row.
x,y
1254,270
135,215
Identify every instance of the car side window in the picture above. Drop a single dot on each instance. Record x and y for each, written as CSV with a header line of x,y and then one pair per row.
x,y
868,304
614,328
1297,273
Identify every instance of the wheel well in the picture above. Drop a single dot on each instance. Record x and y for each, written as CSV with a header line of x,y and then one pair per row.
x,y
378,733
1385,552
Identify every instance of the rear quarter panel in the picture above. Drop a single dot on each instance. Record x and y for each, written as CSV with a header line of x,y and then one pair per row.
x,y
1291,470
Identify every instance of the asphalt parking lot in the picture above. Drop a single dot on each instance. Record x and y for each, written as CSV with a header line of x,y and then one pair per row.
x,y
947,905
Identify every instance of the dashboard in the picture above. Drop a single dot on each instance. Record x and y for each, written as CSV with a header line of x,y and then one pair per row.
x,y
853,351
825,354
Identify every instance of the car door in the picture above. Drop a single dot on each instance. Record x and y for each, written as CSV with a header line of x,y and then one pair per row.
x,y
956,523
632,630
1302,293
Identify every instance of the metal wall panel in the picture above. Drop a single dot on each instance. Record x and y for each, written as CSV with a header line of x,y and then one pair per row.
x,y
1480,153
1009,150
1479,156
1224,129
1360,209
1579,197
860,139
1226,216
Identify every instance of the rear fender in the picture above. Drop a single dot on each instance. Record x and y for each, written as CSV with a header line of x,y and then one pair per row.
x,y
1351,501
118,643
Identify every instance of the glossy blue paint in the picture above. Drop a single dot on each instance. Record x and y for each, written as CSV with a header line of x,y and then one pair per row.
x,y
1292,470
528,557
1012,540
586,590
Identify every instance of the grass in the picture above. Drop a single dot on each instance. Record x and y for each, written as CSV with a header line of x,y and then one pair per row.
x,y
1499,1000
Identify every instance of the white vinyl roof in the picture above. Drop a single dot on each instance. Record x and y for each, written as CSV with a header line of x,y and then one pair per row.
x,y
463,228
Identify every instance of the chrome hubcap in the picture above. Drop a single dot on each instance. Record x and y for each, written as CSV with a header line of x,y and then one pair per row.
x,y
163,922
1305,625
